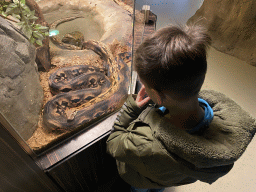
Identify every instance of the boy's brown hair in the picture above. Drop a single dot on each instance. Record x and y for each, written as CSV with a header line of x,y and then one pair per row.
x,y
174,59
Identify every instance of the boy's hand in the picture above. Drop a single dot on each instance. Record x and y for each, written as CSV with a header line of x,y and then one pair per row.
x,y
142,97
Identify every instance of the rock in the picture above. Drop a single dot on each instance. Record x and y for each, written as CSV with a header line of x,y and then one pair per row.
x,y
232,26
21,94
112,23
116,21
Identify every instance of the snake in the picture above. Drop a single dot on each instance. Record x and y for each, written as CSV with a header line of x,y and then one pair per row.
x,y
56,39
84,93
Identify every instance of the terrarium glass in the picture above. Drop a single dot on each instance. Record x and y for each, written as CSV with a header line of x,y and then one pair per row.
x,y
90,53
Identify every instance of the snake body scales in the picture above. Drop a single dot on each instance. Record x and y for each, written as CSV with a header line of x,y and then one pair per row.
x,y
84,93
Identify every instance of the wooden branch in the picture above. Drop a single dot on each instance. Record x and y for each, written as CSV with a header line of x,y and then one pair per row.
x,y
8,18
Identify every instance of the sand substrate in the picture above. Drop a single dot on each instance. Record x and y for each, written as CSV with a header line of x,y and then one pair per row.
x,y
41,138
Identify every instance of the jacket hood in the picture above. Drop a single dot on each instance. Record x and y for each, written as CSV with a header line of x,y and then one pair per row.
x,y
222,143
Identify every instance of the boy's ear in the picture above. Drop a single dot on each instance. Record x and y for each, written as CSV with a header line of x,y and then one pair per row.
x,y
159,96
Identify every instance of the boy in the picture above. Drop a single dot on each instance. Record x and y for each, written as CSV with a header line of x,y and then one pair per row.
x,y
168,136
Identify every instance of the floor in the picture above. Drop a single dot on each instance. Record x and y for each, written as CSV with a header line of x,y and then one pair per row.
x,y
226,74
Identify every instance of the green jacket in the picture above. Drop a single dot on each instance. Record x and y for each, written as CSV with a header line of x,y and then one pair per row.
x,y
152,153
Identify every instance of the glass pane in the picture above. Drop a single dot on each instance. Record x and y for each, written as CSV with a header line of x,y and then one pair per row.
x,y
171,11
41,100
82,74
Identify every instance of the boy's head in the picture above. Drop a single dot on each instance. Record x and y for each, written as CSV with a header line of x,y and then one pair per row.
x,y
173,60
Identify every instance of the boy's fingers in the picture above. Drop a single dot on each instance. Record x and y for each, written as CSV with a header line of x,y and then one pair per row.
x,y
147,99
142,88
143,101
142,97
142,93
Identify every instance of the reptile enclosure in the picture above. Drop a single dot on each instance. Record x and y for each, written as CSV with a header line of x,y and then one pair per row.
x,y
90,72
90,49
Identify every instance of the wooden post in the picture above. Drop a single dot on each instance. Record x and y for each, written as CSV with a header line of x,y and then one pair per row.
x,y
146,9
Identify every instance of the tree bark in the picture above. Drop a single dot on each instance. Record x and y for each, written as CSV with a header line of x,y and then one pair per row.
x,y
42,52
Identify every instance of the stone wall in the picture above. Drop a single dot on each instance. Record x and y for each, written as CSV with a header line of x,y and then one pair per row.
x,y
232,26
21,94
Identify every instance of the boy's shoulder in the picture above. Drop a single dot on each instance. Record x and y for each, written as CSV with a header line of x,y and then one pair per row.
x,y
222,143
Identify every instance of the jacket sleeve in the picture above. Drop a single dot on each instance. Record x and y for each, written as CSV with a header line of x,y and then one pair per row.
x,y
129,112
131,144
129,141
